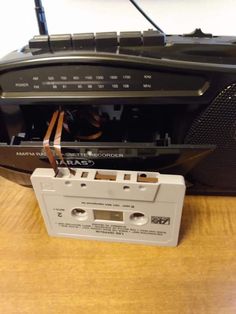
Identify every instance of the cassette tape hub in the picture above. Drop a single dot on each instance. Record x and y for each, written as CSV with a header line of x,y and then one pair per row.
x,y
125,206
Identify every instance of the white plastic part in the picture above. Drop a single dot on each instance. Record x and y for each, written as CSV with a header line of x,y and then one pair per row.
x,y
111,205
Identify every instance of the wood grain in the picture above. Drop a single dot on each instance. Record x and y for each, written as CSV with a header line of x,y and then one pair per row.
x,y
41,274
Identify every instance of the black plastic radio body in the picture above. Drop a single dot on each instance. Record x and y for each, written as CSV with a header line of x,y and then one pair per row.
x,y
168,107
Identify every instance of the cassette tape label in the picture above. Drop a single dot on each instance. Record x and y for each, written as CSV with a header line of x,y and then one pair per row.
x,y
113,229
132,219
97,206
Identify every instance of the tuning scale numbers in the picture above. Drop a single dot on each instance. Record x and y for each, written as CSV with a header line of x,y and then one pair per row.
x,y
87,82
98,82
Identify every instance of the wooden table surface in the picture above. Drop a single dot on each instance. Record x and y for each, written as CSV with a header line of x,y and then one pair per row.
x,y
41,274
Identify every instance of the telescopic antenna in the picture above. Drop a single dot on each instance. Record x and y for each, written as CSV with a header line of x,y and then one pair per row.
x,y
146,16
42,23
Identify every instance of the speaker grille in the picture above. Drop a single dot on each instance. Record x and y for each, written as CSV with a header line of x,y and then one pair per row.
x,y
217,125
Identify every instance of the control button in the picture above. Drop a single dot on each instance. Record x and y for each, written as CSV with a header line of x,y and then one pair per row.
x,y
153,38
83,41
130,39
39,42
106,40
60,42
198,33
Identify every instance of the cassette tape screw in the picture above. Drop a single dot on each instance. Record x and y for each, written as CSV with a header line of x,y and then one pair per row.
x,y
68,183
142,188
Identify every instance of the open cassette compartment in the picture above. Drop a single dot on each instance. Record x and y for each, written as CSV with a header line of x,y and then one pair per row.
x,y
101,123
123,137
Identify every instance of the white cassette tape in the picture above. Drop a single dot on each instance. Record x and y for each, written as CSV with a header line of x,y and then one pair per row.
x,y
127,206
